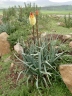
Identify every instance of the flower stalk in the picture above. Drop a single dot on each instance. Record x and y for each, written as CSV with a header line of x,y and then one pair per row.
x,y
32,20
37,23
33,35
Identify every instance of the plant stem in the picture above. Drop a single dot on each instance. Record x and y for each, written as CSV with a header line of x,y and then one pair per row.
x,y
37,26
33,35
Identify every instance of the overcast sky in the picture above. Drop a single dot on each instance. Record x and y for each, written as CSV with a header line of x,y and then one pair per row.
x,y
6,3
36,0
60,0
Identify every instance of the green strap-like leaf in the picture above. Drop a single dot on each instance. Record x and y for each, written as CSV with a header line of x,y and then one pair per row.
x,y
28,79
39,60
45,82
19,75
37,83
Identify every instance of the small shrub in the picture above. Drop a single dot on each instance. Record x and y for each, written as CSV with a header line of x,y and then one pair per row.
x,y
3,28
7,13
68,21
7,27
39,62
66,59
13,38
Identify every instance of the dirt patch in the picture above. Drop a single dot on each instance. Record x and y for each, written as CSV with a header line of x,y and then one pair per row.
x,y
14,72
54,37
13,77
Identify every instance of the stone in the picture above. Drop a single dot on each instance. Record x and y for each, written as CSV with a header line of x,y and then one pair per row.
x,y
12,67
43,36
71,34
70,44
18,48
4,44
66,37
66,74
4,36
60,24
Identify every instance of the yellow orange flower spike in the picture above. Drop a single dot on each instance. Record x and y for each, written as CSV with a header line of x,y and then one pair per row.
x,y
32,19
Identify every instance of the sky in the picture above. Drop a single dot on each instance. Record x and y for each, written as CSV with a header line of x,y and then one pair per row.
x,y
60,0
17,0
6,3
35,0
2,1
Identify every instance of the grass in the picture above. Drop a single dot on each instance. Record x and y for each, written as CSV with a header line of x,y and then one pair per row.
x,y
1,11
60,29
56,12
52,27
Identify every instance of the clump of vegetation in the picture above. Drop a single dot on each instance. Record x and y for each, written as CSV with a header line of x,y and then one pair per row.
x,y
68,21
39,62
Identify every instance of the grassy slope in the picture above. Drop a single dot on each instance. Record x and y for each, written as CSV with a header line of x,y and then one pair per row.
x,y
56,12
1,12
60,29
53,22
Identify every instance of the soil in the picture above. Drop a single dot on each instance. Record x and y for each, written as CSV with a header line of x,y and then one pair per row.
x,y
14,72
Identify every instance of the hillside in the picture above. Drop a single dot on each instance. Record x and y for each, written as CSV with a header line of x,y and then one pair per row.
x,y
58,8
7,3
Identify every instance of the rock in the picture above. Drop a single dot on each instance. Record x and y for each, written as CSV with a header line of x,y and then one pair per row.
x,y
65,37
4,44
70,44
18,48
46,36
66,74
55,37
71,34
60,24
12,67
43,36
4,36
